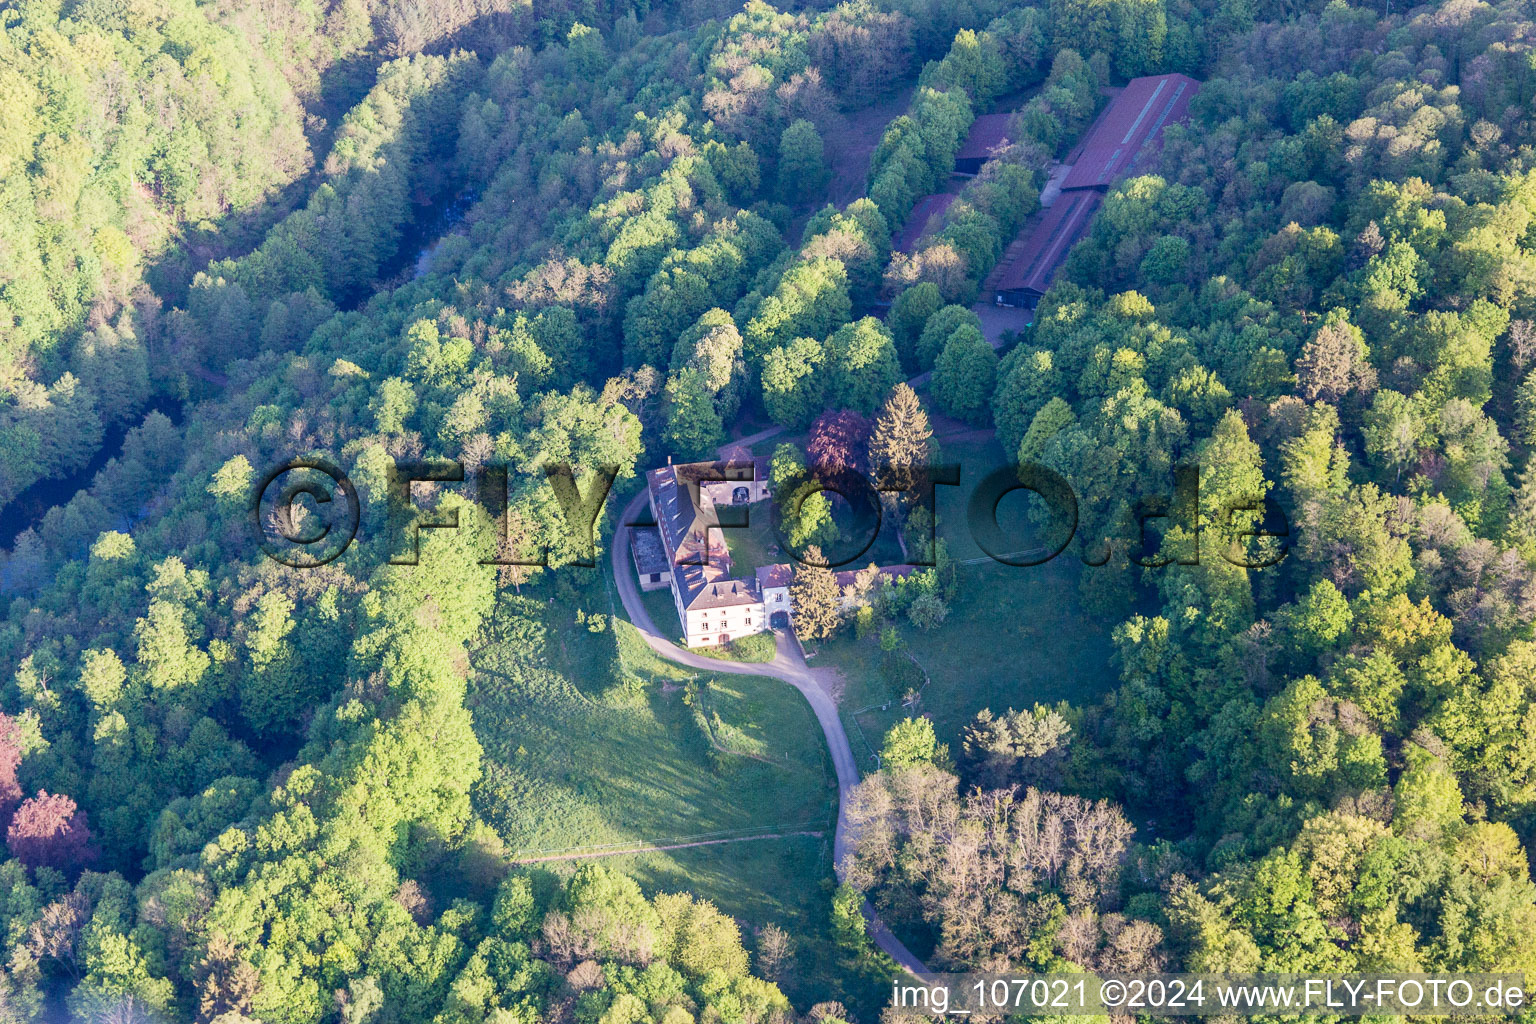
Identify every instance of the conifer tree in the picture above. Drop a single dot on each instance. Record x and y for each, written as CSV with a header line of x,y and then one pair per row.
x,y
814,596
902,439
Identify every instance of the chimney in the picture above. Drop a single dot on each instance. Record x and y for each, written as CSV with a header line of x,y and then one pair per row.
x,y
669,460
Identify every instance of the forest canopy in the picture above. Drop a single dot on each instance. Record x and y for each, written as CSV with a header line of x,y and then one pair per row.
x,y
602,237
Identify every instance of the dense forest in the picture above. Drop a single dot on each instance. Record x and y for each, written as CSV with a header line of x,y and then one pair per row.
x,y
580,234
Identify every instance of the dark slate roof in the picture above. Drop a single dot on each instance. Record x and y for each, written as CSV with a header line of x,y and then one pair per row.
x,y
701,562
650,556
1046,245
987,133
716,593
684,530
1130,128
917,225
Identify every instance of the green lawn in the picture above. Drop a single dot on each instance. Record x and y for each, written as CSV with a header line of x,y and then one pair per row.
x,y
756,544
593,744
976,460
1014,636
755,648
597,746
663,612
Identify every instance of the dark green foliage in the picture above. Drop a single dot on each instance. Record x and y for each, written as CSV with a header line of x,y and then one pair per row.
x,y
1321,297
937,331
965,374
802,163
861,366
693,426
909,315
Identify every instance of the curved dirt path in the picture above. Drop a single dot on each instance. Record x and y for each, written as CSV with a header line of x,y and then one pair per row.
x,y
628,851
787,665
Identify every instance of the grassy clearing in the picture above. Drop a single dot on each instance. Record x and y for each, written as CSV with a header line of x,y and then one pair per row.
x,y
595,743
754,649
1014,636
978,458
597,746
663,612
756,544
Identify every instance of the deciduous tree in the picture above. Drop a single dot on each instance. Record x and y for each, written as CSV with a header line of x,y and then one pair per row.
x,y
47,830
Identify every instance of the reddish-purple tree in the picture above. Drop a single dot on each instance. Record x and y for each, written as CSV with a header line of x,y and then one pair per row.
x,y
48,830
838,439
10,760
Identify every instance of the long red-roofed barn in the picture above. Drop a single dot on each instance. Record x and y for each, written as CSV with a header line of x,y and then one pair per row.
x,y
1122,140
1129,131
1030,268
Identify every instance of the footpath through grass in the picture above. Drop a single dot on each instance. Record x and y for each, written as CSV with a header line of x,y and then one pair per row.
x,y
593,740
598,744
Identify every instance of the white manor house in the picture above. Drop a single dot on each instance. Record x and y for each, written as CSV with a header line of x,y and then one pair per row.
x,y
687,552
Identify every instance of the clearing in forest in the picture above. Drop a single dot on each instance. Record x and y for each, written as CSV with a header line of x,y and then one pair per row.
x,y
1014,636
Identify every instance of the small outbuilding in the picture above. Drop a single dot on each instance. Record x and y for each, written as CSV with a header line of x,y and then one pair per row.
x,y
651,564
922,221
989,133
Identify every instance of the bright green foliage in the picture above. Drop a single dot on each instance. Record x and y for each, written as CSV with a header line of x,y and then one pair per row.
x,y
965,374
859,237
917,151
811,300
902,438
785,465
693,426
860,365
794,387
848,918
713,347
974,63
1426,798
811,523
911,742
526,246
1055,416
